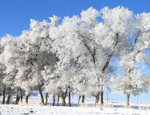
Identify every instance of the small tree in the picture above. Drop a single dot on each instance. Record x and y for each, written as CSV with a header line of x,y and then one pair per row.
x,y
133,82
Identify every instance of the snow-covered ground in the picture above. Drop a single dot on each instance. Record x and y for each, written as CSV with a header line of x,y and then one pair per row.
x,y
50,110
34,108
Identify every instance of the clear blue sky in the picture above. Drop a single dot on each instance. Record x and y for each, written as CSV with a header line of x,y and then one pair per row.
x,y
15,15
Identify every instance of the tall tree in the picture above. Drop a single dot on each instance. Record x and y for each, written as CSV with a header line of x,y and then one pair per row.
x,y
90,44
28,54
133,80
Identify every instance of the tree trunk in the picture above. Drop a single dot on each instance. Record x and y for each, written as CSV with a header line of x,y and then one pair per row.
x,y
65,93
21,98
127,101
63,99
53,99
58,100
63,102
8,99
4,96
69,99
79,100
21,94
97,98
27,99
46,98
103,71
17,98
102,98
42,99
83,98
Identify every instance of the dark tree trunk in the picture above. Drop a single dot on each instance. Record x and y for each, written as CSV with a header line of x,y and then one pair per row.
x,y
27,99
97,98
63,102
58,100
69,99
102,98
4,96
17,98
53,99
42,99
63,99
127,101
79,100
65,93
21,94
21,98
83,98
8,99
46,98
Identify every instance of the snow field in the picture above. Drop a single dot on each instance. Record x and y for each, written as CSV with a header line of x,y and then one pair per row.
x,y
57,110
35,108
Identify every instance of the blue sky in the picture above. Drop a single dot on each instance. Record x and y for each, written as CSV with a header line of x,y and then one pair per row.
x,y
15,16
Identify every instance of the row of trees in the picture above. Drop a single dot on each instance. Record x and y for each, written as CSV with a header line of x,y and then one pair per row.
x,y
75,55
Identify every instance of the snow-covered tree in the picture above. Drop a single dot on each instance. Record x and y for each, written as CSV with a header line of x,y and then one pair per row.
x,y
90,44
2,76
75,56
10,71
132,80
29,53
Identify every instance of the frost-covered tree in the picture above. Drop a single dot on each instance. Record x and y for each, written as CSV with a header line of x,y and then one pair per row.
x,y
2,76
29,53
74,56
133,81
10,71
53,80
92,45
37,53
115,42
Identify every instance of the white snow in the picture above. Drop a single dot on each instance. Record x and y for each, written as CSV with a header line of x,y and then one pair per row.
x,y
50,110
34,108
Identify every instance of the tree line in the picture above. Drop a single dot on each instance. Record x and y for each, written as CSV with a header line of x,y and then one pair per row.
x,y
75,56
